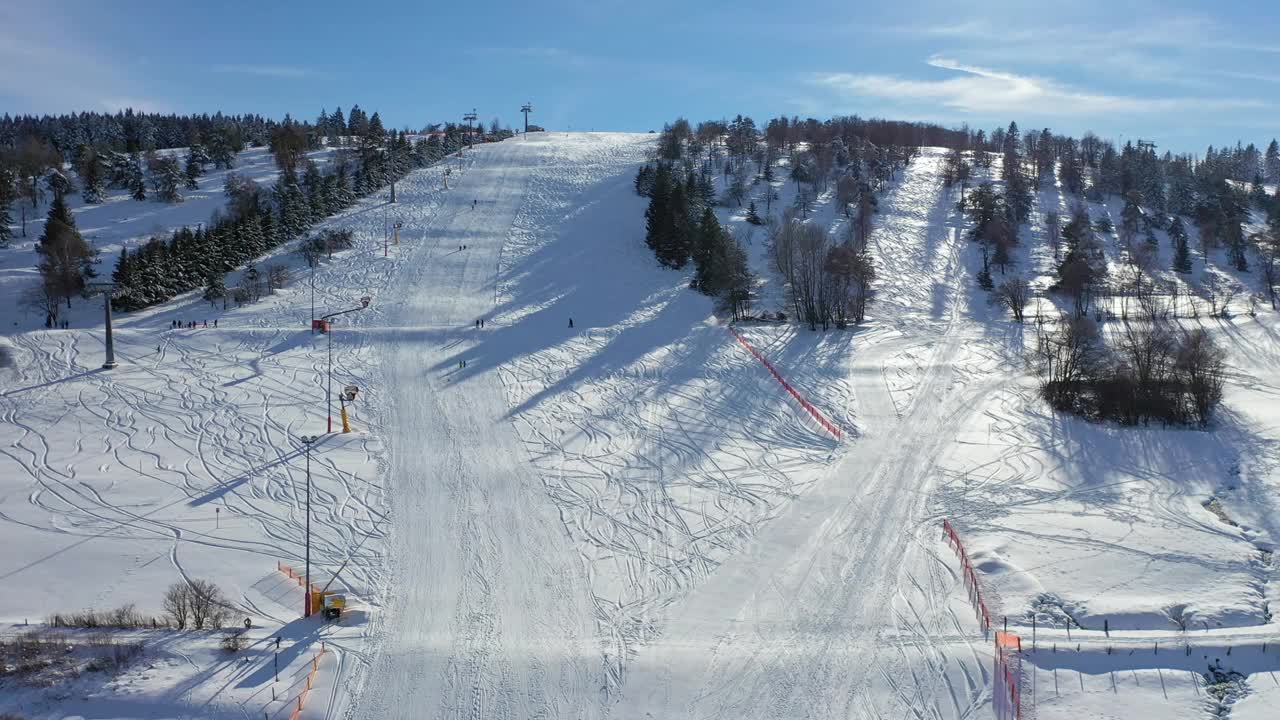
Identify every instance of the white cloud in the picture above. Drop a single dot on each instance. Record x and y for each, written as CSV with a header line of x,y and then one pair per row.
x,y
981,90
278,71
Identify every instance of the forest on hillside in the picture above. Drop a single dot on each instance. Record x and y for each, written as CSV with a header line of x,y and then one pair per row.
x,y
158,157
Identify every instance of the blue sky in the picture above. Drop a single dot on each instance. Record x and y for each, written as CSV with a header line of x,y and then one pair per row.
x,y
1183,74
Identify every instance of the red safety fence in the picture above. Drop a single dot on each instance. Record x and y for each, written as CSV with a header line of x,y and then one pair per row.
x,y
970,576
1007,675
306,689
311,599
817,415
1007,697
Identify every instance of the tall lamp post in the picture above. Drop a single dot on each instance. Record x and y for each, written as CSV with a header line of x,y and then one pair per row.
x,y
364,303
307,440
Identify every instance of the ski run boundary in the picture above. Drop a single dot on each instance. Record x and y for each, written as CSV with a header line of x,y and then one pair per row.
x,y
808,406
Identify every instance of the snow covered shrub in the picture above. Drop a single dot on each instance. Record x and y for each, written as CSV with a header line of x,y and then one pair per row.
x,y
233,641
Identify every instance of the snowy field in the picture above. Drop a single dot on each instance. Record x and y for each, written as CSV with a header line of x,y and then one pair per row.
x,y
629,517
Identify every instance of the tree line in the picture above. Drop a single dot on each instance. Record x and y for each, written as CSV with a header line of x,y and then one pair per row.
x,y
127,151
829,283
256,220
681,226
1152,371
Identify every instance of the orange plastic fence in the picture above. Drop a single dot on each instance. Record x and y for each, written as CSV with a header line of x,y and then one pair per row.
x,y
970,576
306,689
817,415
316,591
1007,675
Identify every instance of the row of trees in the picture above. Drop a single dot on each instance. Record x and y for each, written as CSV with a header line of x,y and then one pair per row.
x,y
1217,207
817,153
681,225
258,221
128,131
126,151
828,283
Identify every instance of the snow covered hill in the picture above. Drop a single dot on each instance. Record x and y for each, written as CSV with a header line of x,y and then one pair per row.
x,y
601,505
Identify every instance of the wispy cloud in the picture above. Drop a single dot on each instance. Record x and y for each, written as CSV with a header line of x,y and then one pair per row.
x,y
277,71
1183,32
980,90
49,67
1256,77
1173,49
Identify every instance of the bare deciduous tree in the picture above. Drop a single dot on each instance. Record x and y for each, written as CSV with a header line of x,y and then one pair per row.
x,y
177,604
1202,367
1013,293
209,608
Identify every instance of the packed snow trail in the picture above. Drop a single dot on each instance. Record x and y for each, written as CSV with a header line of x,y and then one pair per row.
x,y
489,616
810,620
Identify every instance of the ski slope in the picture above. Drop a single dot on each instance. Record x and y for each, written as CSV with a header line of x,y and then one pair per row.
x,y
627,518
487,614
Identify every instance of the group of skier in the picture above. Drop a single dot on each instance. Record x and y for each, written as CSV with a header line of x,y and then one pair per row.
x,y
189,324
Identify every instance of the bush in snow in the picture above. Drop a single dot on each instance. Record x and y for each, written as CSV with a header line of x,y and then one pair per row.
x,y
1155,373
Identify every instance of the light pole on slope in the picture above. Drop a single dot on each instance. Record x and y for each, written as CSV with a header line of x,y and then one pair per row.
x,y
364,303
307,440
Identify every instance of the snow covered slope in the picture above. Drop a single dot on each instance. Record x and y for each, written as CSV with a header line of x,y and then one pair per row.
x,y
628,517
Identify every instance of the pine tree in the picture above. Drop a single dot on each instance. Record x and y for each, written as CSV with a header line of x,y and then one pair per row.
x,y
1271,162
313,186
7,195
58,183
644,180
675,252
1181,251
215,288
752,216
658,214
123,274
137,185
984,280
1182,186
193,171
708,253
167,178
91,180
1258,193
1130,216
66,260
